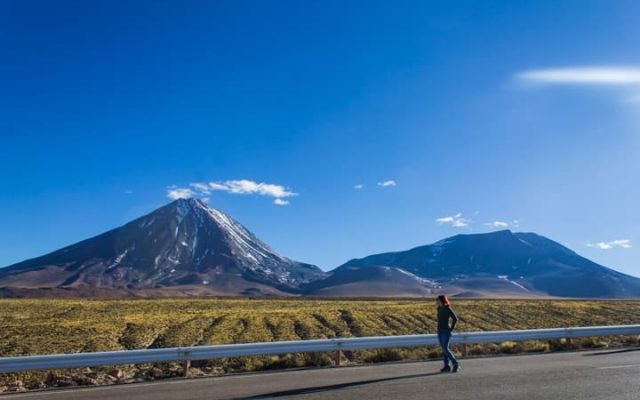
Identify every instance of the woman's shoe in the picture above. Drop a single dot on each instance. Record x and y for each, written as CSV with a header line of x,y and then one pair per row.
x,y
446,369
456,368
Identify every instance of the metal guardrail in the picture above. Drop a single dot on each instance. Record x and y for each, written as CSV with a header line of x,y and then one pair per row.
x,y
187,354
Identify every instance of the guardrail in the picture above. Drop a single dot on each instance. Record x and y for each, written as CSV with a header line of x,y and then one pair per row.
x,y
188,354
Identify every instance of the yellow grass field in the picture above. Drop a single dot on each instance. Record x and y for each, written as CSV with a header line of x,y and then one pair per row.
x,y
43,326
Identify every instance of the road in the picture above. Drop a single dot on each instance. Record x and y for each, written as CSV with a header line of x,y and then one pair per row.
x,y
608,374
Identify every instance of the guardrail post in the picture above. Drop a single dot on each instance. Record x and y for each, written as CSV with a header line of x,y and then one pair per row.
x,y
337,355
568,339
185,368
463,344
186,363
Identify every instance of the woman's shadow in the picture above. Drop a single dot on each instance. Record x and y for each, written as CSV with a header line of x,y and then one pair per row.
x,y
327,388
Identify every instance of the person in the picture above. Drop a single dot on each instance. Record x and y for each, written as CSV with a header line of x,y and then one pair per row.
x,y
445,313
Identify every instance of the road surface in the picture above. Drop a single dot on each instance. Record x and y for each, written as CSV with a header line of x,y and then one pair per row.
x,y
608,374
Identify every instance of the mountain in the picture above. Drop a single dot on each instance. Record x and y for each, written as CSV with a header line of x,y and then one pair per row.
x,y
183,248
505,263
188,249
371,281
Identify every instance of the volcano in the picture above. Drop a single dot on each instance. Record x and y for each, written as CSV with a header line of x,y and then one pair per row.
x,y
183,248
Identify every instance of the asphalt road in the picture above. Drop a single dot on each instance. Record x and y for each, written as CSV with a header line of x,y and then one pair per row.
x,y
611,375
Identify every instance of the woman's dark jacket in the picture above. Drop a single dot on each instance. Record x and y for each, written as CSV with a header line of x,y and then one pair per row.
x,y
444,314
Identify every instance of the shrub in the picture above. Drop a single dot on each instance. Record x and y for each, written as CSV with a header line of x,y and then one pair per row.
x,y
595,343
535,347
510,347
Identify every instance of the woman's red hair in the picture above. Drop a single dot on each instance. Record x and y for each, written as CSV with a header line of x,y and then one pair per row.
x,y
444,300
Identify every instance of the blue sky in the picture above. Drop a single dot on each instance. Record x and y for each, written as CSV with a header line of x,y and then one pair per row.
x,y
455,117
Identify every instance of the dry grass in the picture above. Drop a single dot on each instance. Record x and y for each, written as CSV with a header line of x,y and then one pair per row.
x,y
67,326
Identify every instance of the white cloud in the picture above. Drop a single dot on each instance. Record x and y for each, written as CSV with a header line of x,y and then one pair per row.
x,y
240,186
585,75
503,224
216,186
388,183
358,186
201,187
457,221
245,186
620,243
175,193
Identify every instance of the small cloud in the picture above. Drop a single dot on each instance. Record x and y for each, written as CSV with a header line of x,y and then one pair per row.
x,y
585,75
280,202
358,186
201,187
128,191
388,183
245,186
503,224
456,221
175,193
241,186
620,243
216,186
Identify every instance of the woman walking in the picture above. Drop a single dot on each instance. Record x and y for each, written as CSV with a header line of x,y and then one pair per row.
x,y
445,313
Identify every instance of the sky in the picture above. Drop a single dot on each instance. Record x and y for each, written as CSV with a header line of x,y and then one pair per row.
x,y
331,129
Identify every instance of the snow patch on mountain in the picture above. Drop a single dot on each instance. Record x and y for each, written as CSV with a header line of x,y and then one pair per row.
x,y
423,280
506,278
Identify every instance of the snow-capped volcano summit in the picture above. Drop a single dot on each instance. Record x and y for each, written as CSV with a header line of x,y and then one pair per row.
x,y
184,243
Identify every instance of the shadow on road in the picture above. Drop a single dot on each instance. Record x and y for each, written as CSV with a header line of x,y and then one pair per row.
x,y
606,353
327,388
